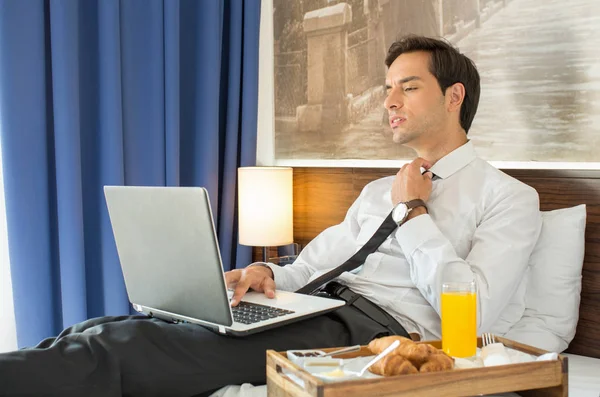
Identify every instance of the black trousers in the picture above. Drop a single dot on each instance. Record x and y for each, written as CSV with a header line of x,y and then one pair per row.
x,y
141,356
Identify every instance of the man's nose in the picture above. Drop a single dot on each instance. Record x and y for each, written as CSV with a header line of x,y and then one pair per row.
x,y
393,100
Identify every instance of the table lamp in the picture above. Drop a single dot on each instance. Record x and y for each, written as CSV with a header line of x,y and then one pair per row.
x,y
265,207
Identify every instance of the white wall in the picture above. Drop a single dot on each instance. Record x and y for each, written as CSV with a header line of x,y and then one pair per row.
x,y
8,334
265,147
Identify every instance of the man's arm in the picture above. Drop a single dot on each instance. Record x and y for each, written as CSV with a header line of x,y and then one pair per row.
x,y
501,246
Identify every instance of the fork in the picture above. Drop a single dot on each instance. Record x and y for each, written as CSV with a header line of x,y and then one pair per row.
x,y
487,339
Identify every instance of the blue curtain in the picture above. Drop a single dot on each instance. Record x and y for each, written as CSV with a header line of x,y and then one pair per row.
x,y
109,92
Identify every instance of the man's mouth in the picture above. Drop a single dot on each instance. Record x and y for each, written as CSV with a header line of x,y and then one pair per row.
x,y
395,121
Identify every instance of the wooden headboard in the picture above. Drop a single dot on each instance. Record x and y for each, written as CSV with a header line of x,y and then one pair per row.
x,y
323,195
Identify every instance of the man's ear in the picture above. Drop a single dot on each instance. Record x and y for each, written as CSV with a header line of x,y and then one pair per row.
x,y
455,95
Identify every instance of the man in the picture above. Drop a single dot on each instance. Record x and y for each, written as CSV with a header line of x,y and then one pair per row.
x,y
478,222
475,223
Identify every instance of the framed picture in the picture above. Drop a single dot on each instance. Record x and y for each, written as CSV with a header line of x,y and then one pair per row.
x,y
322,77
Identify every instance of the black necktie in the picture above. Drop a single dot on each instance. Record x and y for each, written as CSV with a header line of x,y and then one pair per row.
x,y
386,228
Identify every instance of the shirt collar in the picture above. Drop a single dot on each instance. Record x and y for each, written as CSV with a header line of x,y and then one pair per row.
x,y
454,161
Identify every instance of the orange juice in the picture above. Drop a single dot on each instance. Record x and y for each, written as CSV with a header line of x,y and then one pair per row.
x,y
459,322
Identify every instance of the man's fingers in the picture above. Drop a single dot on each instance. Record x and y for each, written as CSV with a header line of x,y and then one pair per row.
x,y
240,290
269,287
421,162
252,277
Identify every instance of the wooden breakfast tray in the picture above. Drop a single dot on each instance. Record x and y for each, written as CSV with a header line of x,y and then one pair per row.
x,y
543,378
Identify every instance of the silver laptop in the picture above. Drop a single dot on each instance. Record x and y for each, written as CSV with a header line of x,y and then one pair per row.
x,y
172,266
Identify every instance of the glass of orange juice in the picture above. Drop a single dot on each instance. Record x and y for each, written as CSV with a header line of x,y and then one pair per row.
x,y
459,318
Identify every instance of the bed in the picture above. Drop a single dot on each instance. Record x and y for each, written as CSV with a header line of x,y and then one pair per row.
x,y
322,196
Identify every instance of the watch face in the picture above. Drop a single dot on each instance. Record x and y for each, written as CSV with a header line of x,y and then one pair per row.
x,y
400,212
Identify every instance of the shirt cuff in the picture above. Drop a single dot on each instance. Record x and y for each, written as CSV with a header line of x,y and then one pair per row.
x,y
412,234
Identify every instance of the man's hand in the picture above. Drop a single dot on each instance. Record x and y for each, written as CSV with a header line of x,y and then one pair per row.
x,y
259,278
410,184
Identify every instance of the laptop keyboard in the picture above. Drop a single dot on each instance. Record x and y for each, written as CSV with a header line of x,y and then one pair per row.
x,y
250,313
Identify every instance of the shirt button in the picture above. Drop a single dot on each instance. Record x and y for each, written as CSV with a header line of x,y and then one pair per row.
x,y
429,289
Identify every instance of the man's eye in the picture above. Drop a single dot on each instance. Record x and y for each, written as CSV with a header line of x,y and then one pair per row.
x,y
410,88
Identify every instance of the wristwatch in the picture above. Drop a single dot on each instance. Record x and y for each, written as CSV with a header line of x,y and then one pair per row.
x,y
401,210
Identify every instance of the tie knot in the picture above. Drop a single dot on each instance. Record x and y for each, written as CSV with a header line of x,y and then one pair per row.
x,y
434,177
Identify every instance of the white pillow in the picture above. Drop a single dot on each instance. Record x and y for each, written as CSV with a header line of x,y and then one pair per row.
x,y
554,282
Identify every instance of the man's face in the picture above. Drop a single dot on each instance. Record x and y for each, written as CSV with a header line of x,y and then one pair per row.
x,y
415,102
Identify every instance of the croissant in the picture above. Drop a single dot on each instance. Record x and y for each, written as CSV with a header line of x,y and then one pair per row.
x,y
392,365
437,362
422,356
418,354
380,344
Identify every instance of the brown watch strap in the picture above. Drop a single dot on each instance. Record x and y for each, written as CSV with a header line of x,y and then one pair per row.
x,y
416,203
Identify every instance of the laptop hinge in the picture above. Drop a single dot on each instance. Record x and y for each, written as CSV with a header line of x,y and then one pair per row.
x,y
221,329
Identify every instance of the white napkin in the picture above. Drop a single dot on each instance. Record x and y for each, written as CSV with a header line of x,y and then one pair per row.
x,y
498,354
495,354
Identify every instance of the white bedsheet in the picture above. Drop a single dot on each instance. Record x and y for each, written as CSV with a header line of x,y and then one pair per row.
x,y
584,381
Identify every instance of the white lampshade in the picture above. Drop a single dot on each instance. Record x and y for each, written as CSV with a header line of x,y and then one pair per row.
x,y
265,216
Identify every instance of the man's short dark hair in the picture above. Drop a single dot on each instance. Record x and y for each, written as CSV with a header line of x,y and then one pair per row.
x,y
448,66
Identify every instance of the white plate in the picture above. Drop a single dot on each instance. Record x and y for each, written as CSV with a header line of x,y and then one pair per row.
x,y
348,371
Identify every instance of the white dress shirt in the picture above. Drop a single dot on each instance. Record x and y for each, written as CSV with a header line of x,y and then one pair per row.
x,y
482,225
